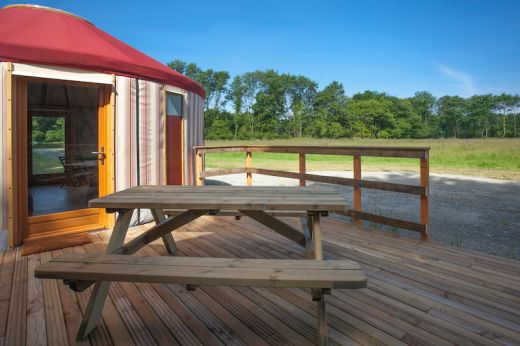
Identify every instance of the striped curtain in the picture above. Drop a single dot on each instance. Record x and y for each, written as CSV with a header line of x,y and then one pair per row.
x,y
152,122
125,134
147,153
139,137
3,156
193,133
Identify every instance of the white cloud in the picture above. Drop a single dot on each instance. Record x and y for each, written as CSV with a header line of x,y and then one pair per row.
x,y
462,80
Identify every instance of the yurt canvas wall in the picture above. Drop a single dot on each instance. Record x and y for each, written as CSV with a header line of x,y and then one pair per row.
x,y
142,162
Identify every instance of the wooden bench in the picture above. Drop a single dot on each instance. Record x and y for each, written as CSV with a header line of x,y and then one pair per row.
x,y
318,275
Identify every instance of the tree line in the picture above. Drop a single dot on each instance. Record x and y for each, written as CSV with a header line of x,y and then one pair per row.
x,y
268,104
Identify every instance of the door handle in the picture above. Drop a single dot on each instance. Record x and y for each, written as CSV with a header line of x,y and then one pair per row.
x,y
102,153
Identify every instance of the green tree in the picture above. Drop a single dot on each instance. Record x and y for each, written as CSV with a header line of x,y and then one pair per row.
x,y
236,94
178,65
374,116
213,82
480,115
506,105
424,104
300,96
331,107
269,104
451,115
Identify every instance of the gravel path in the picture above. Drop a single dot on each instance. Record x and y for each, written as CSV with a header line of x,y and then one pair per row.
x,y
474,213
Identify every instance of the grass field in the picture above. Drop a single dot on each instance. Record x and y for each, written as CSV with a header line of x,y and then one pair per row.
x,y
43,164
492,158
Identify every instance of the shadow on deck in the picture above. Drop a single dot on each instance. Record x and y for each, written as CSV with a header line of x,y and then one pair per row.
x,y
417,293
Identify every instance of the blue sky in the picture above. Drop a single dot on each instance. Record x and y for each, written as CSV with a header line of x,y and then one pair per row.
x,y
446,47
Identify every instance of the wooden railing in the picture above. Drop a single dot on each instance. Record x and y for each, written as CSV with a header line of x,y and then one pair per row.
x,y
356,182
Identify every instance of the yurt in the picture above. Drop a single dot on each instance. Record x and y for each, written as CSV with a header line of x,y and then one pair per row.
x,y
82,115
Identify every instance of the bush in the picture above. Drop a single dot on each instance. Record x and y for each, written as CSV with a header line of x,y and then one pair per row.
x,y
220,129
54,136
38,136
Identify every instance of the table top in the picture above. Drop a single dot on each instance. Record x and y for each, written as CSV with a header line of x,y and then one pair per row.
x,y
287,198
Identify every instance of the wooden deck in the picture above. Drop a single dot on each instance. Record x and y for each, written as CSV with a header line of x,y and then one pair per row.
x,y
418,293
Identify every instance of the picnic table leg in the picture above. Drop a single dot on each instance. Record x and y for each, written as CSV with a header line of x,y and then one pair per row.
x,y
322,337
306,223
100,291
169,242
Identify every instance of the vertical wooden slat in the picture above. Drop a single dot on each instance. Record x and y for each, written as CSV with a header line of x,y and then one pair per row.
x,y
249,165
322,332
357,190
425,203
11,167
306,223
198,169
183,144
302,168
164,134
17,158
21,136
111,155
317,237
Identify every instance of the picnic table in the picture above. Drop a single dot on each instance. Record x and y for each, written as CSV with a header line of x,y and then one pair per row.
x,y
189,203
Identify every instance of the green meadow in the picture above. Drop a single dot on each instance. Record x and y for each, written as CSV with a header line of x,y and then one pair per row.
x,y
43,164
492,158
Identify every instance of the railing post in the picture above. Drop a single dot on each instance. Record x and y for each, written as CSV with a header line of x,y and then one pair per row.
x,y
425,199
249,165
302,169
199,180
357,190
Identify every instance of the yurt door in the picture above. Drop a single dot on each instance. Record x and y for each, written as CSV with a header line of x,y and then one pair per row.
x,y
66,156
174,116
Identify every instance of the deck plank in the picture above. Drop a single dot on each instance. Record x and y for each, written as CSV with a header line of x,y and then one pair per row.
x,y
17,318
418,293
120,309
239,305
6,279
71,309
216,249
366,335
54,321
476,338
36,332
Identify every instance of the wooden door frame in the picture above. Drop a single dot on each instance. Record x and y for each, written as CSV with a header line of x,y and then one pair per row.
x,y
18,220
181,134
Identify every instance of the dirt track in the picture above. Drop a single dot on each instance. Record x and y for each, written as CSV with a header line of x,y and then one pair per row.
x,y
475,213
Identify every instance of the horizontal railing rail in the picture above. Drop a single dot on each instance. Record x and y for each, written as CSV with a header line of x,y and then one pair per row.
x,y
421,190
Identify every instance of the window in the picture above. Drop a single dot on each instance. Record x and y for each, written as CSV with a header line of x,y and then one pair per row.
x,y
173,104
48,144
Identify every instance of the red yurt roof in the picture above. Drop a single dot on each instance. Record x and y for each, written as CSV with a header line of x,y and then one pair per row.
x,y
41,35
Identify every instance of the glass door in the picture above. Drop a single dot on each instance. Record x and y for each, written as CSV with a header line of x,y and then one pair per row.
x,y
65,156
